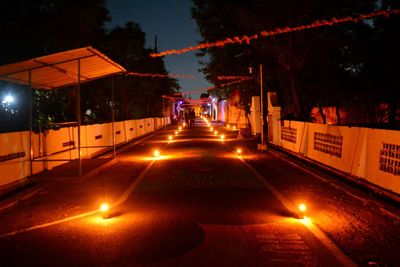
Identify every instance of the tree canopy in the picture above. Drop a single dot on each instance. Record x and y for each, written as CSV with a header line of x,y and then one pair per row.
x,y
31,29
335,65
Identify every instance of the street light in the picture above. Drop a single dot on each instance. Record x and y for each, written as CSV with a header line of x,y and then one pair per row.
x,y
8,99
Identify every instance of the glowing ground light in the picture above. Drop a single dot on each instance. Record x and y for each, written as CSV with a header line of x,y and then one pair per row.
x,y
104,207
176,132
170,137
211,129
215,132
180,128
302,209
222,137
156,153
239,151
228,126
234,127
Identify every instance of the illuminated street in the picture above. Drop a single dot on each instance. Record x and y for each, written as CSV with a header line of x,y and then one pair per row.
x,y
198,204
199,133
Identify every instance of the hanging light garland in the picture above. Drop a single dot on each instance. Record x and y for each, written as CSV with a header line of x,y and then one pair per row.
x,y
155,75
215,87
228,84
263,34
229,78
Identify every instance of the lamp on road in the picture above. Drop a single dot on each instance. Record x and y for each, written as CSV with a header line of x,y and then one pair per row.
x,y
104,209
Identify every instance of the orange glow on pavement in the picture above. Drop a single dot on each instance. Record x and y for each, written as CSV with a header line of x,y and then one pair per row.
x,y
306,221
161,157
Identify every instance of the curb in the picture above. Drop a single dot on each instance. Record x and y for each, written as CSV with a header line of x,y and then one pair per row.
x,y
22,196
356,181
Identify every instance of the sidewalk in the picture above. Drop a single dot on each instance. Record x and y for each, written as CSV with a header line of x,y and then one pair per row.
x,y
65,173
40,181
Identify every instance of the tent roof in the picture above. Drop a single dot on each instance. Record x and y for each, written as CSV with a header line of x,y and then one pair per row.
x,y
61,69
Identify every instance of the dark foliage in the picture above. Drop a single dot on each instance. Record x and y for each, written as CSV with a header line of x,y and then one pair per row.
x,y
33,28
340,65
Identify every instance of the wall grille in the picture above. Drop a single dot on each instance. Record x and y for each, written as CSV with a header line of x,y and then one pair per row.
x,y
389,160
328,143
289,134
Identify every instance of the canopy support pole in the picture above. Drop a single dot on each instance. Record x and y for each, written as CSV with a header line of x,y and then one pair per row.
x,y
78,114
30,124
112,114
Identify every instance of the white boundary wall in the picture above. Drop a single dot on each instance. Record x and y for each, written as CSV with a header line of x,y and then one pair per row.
x,y
16,145
371,154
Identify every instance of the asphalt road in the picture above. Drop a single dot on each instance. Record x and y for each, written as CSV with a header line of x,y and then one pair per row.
x,y
198,204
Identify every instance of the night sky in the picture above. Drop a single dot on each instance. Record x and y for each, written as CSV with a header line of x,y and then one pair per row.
x,y
171,21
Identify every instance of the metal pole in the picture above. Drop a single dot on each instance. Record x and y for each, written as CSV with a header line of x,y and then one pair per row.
x,y
112,115
30,123
78,114
262,146
261,105
163,109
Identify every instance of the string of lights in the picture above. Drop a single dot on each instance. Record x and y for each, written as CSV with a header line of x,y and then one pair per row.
x,y
226,84
263,34
215,87
229,78
155,75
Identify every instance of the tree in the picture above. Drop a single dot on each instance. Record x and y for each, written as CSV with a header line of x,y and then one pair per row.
x,y
39,27
33,28
381,70
138,96
308,68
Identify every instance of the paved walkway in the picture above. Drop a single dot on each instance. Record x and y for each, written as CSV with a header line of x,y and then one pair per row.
x,y
197,204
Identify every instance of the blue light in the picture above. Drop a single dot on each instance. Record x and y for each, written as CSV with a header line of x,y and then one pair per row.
x,y
8,99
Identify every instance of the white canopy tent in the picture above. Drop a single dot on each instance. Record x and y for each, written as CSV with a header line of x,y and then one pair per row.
x,y
71,67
